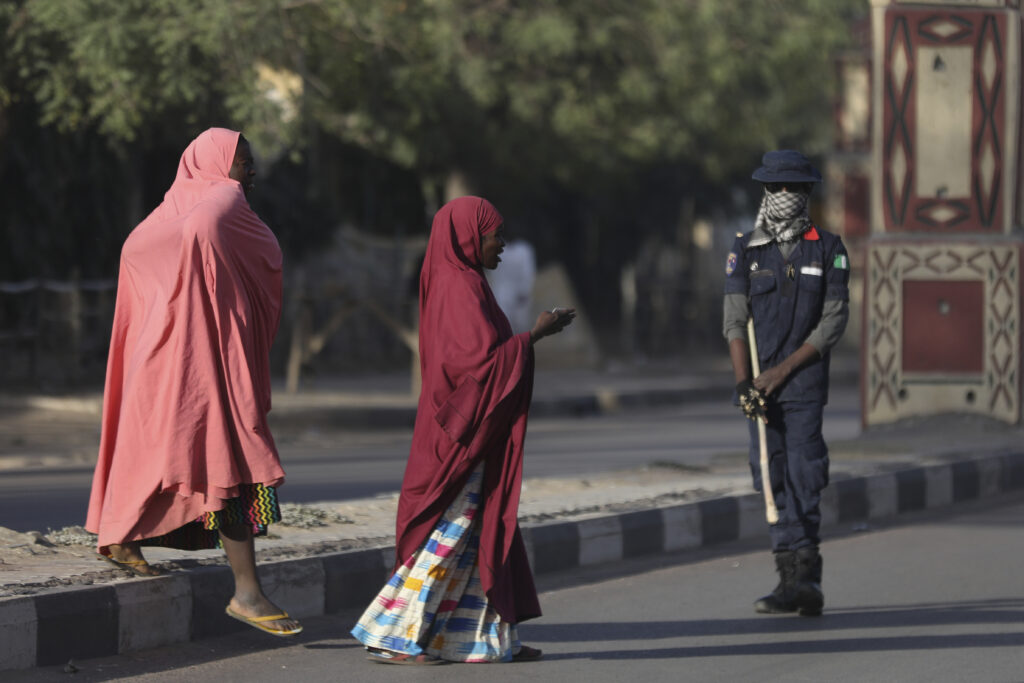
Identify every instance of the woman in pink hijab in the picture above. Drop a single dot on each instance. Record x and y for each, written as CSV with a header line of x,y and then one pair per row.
x,y
462,580
186,458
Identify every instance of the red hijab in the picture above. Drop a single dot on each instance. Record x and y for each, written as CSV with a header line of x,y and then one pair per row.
x,y
477,384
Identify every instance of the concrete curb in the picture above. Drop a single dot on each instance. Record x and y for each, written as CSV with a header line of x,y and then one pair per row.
x,y
51,628
315,409
585,402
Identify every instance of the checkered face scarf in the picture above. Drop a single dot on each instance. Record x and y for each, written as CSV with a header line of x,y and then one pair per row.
x,y
783,215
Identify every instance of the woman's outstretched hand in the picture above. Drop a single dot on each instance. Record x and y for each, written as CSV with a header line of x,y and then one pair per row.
x,y
551,322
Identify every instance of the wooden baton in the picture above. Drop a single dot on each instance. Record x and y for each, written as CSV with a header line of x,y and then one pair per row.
x,y
771,513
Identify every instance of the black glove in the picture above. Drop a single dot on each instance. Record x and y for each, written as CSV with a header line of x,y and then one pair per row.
x,y
752,401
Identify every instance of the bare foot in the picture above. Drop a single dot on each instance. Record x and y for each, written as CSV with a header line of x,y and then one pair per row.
x,y
262,607
130,556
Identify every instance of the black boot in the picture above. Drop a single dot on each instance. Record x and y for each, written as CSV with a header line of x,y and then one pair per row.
x,y
807,596
780,600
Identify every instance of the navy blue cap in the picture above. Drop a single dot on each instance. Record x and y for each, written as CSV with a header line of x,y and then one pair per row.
x,y
786,166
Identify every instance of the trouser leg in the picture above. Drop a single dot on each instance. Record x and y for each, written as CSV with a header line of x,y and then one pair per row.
x,y
807,473
798,465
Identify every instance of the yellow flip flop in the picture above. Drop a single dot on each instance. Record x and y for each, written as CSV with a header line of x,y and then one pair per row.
x,y
136,567
259,622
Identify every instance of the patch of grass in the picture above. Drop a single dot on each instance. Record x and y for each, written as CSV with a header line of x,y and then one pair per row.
x,y
304,516
71,535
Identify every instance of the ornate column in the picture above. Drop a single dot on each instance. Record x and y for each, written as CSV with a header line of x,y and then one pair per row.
x,y
942,297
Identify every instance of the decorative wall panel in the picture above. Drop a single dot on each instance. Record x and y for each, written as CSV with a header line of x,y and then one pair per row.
x,y
942,329
979,3
945,151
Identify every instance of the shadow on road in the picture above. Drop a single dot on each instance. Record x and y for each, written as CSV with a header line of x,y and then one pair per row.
x,y
996,611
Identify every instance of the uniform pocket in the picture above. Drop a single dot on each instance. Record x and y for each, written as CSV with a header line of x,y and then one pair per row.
x,y
761,282
811,279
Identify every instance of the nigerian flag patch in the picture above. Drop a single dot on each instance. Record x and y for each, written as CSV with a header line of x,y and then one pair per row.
x,y
841,262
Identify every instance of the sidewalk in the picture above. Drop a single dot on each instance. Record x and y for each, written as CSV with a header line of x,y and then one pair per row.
x,y
58,602
381,400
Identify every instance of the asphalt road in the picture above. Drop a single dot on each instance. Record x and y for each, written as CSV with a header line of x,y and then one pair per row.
x,y
325,464
936,598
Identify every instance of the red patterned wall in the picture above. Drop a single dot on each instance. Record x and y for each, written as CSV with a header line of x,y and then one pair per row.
x,y
941,321
906,31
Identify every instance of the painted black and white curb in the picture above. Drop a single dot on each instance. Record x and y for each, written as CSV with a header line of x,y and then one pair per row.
x,y
96,621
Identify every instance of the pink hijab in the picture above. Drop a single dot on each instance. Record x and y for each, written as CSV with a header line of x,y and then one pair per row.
x,y
188,378
477,384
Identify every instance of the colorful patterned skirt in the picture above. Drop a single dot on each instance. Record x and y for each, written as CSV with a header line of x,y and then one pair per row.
x,y
256,506
434,604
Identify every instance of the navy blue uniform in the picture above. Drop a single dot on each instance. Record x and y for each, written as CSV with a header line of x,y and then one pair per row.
x,y
786,297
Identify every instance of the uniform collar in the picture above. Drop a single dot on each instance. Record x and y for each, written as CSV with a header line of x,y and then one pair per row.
x,y
758,237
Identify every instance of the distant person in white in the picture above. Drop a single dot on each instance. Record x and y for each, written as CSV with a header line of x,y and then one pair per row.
x,y
512,284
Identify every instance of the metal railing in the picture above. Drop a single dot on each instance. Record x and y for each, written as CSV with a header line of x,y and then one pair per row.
x,y
54,332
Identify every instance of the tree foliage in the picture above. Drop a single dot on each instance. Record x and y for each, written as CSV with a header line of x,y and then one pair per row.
x,y
568,114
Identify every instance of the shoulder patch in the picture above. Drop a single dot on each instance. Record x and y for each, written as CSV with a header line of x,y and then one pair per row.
x,y
841,262
730,264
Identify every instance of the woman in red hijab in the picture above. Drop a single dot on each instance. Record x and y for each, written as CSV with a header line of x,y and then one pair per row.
x,y
186,458
462,580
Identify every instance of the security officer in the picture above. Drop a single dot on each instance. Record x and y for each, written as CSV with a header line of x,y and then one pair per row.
x,y
792,277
